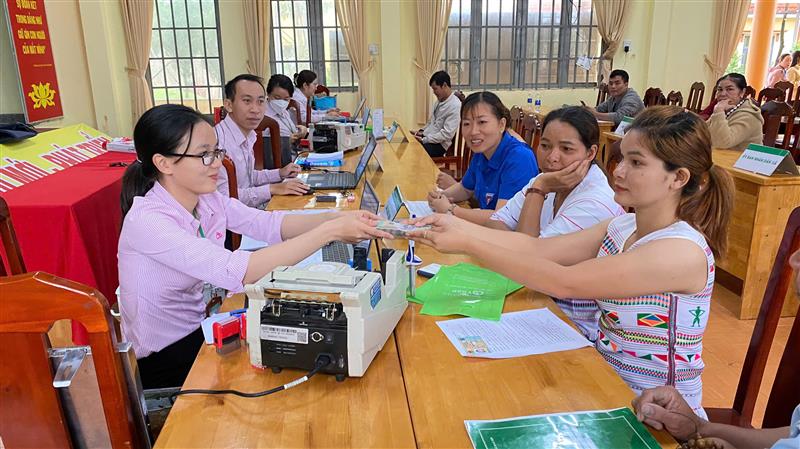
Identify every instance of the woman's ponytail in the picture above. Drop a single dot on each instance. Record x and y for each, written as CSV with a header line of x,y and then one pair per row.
x,y
709,208
134,183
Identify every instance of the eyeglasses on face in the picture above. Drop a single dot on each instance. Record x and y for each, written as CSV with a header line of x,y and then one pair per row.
x,y
208,157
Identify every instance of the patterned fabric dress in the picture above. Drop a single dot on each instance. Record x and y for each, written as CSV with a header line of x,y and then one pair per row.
x,y
656,340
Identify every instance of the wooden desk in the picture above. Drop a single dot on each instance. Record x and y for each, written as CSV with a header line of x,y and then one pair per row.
x,y
761,208
417,392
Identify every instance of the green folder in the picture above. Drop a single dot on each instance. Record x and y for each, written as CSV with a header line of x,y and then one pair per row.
x,y
465,289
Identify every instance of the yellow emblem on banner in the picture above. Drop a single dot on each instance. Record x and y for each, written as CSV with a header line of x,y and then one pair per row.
x,y
42,95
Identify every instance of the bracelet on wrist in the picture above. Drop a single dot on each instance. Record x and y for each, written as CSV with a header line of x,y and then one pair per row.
x,y
535,190
451,209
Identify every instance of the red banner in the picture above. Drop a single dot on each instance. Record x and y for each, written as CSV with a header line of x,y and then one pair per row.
x,y
37,72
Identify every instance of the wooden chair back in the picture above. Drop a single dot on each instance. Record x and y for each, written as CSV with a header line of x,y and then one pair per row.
x,y
32,415
531,132
233,192
791,139
516,119
219,114
788,89
750,92
775,113
11,253
456,159
275,142
675,98
460,95
654,97
694,102
770,94
602,93
785,395
308,113
293,106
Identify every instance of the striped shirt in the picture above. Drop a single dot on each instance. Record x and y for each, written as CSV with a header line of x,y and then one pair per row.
x,y
253,185
589,203
656,339
164,262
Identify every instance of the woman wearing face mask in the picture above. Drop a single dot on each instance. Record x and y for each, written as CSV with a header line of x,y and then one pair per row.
x,y
500,167
279,90
172,240
571,194
306,84
736,121
651,273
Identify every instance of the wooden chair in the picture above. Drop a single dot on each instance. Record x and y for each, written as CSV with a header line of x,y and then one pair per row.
x,y
531,132
275,143
787,87
456,159
791,139
654,97
322,90
233,192
460,95
770,94
750,92
296,107
675,98
602,93
32,414
695,101
785,395
775,113
516,119
219,114
10,244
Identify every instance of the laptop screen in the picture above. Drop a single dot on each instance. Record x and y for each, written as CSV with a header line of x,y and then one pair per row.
x,y
365,118
393,204
362,163
369,199
392,130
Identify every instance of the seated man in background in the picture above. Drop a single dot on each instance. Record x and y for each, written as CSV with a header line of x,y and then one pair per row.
x,y
622,100
664,408
279,90
244,103
438,134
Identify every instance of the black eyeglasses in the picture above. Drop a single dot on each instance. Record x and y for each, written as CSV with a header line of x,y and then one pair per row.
x,y
208,157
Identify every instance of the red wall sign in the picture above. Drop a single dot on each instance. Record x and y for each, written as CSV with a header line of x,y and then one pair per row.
x,y
37,72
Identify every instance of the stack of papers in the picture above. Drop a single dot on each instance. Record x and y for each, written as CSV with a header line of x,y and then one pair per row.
x,y
517,334
616,428
120,144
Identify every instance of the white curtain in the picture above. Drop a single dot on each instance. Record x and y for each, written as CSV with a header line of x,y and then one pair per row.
x,y
137,19
612,16
352,21
256,29
432,19
729,19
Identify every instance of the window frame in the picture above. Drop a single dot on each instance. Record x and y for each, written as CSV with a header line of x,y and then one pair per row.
x,y
194,86
316,43
520,42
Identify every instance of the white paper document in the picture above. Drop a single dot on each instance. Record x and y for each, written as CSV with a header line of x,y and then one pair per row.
x,y
517,334
419,208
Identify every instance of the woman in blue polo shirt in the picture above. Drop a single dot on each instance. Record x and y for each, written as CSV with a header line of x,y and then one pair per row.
x,y
500,167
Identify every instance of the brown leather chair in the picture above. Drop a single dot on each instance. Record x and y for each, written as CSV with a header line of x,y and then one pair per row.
x,y
694,102
602,93
654,97
32,414
785,395
10,244
233,192
775,114
786,87
675,98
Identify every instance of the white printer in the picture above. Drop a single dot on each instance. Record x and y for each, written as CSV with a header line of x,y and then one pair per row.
x,y
296,314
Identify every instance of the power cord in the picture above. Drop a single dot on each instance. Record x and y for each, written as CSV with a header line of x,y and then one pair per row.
x,y
322,361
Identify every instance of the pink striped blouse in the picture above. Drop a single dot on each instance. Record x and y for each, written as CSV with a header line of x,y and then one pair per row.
x,y
164,261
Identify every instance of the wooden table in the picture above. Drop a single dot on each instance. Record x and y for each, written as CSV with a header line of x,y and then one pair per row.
x,y
761,209
417,392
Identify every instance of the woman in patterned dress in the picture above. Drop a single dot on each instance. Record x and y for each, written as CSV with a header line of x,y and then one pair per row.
x,y
651,272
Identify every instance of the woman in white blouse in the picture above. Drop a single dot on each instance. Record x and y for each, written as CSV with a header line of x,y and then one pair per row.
x,y
306,84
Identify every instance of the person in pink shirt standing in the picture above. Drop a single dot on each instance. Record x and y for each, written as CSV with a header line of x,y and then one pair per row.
x,y
171,247
244,102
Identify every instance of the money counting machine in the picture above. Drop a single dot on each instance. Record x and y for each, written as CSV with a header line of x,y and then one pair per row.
x,y
296,315
330,136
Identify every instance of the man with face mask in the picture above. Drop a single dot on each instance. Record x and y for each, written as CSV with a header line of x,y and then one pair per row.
x,y
244,104
279,90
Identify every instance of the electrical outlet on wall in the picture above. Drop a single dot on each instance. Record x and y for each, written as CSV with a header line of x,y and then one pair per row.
x,y
626,45
373,49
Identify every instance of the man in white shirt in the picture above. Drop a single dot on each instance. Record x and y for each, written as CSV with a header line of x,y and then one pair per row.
x,y
438,133
244,104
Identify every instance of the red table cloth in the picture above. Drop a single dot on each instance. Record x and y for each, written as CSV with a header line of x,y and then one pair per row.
x,y
68,224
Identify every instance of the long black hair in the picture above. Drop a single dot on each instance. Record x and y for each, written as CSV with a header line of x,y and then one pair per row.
x,y
160,130
303,78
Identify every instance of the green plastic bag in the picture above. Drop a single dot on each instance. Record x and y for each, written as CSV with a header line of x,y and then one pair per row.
x,y
465,289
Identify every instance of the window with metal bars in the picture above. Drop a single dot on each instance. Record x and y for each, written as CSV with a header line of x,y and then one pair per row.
x,y
508,44
306,35
185,54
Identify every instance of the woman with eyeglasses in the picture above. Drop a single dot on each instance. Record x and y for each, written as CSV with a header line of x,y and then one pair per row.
x,y
736,121
171,249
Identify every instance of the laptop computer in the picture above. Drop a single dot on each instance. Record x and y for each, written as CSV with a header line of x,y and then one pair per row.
x,y
342,252
397,202
341,180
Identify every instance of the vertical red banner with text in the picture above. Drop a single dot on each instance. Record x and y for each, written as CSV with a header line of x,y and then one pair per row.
x,y
37,71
